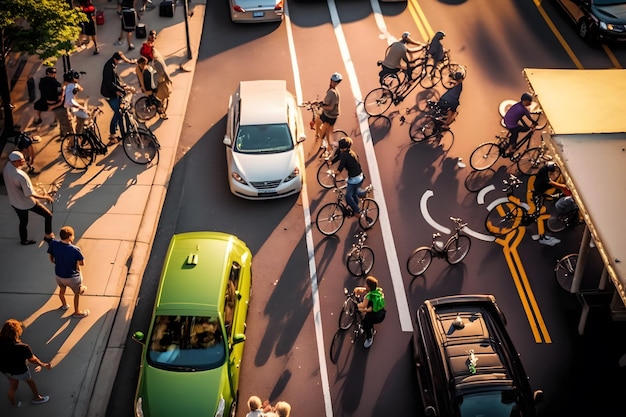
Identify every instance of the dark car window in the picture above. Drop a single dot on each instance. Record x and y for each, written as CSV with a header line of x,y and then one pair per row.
x,y
608,2
490,404
186,343
258,139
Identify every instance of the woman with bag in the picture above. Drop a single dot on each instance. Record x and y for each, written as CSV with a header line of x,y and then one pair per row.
x,y
149,85
89,27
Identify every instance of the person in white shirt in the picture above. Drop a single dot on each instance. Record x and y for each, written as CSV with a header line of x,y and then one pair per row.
x,y
71,105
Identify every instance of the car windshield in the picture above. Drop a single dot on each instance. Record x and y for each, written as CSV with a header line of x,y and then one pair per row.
x,y
490,404
608,2
258,139
186,343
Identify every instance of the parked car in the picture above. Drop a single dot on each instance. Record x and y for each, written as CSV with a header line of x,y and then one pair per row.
x,y
251,11
193,349
466,362
597,20
264,131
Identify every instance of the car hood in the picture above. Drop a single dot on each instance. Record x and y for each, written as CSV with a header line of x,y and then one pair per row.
x,y
167,393
615,13
265,167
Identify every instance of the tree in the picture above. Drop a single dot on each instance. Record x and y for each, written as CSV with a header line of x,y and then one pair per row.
x,y
47,28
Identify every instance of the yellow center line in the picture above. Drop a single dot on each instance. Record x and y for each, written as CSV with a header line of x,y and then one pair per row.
x,y
612,57
420,20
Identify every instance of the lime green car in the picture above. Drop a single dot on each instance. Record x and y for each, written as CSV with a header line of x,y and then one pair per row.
x,y
193,349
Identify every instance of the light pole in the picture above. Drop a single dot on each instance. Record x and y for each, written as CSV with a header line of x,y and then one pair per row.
x,y
186,9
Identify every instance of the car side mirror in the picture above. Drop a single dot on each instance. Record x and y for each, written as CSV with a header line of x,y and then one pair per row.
x,y
301,138
138,337
538,396
227,141
239,338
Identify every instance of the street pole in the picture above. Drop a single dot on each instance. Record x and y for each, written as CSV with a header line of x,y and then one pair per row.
x,y
5,94
186,9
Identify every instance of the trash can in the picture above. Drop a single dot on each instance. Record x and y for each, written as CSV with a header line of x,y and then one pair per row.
x,y
140,31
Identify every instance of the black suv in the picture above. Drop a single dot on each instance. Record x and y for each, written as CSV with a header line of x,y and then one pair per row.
x,y
466,362
597,20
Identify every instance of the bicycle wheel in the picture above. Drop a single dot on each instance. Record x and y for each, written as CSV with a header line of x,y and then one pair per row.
x,y
335,346
556,224
329,219
485,156
140,147
565,269
443,138
360,261
430,76
419,261
422,128
538,115
446,74
503,219
77,151
378,101
143,110
369,213
347,314
391,81
530,161
325,176
458,249
338,134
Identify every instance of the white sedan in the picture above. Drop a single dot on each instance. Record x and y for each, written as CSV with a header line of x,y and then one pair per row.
x,y
264,132
251,11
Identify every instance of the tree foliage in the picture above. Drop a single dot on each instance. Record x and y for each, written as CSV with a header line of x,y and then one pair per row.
x,y
48,28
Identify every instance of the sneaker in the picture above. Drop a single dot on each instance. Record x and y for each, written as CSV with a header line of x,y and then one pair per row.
x,y
27,242
368,343
43,399
131,47
535,237
549,240
118,42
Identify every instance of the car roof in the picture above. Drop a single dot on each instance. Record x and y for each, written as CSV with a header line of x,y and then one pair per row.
x,y
196,270
263,102
480,332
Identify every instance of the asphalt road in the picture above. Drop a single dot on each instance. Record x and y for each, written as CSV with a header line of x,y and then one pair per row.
x,y
284,358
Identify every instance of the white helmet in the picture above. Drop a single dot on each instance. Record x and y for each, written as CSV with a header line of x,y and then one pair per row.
x,y
336,77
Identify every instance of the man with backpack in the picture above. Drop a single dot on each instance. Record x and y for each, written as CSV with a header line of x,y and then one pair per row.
x,y
373,306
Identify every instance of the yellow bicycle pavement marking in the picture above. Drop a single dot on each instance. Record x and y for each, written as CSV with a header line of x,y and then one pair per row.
x,y
420,20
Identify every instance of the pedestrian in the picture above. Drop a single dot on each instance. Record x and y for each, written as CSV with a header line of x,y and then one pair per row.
x,y
148,76
372,306
89,27
113,88
128,17
25,145
282,409
14,358
51,99
73,108
155,59
68,260
330,109
23,198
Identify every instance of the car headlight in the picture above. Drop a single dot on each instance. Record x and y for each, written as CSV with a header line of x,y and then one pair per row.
x,y
293,174
220,408
139,407
238,178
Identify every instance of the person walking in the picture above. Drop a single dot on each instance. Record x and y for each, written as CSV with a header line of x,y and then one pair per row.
x,y
155,59
51,99
330,110
68,260
128,17
113,88
89,27
14,358
23,198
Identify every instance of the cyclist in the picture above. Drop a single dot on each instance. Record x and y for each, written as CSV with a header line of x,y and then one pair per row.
x,y
545,180
514,121
330,109
435,48
396,53
350,160
538,185
450,100
372,306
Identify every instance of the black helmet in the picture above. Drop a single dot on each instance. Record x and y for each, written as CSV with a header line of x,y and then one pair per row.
x,y
526,97
345,143
440,34
457,76
551,166
71,75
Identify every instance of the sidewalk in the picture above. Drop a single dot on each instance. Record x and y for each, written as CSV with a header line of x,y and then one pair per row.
x,y
114,207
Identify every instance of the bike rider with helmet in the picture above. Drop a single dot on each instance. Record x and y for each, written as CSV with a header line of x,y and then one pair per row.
x,y
396,53
435,48
450,100
373,306
330,109
543,183
350,160
514,121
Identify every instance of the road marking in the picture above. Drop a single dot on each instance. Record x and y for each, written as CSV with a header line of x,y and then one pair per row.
x,y
315,298
557,34
420,19
480,197
385,225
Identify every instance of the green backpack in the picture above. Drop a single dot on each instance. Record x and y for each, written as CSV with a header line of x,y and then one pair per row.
x,y
377,298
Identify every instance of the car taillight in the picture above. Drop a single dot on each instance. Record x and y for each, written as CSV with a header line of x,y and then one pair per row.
x,y
279,6
238,9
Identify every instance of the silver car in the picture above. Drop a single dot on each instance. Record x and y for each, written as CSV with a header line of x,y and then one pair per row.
x,y
264,132
250,11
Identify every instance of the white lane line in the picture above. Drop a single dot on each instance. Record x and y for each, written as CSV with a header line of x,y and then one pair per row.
x,y
385,224
315,298
380,22
429,219
480,197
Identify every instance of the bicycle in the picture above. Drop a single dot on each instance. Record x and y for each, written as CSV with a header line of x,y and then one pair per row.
x,y
428,127
331,216
80,149
327,176
536,113
454,250
507,216
441,72
140,144
48,190
565,269
488,153
315,107
562,221
360,259
146,109
350,315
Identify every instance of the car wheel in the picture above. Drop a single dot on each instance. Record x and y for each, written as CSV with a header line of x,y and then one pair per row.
x,y
584,29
